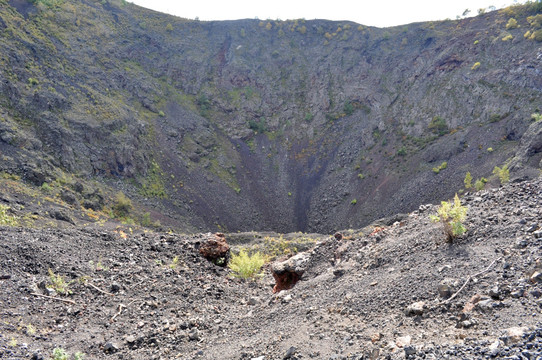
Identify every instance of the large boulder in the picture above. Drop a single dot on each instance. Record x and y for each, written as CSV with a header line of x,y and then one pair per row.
x,y
215,249
287,273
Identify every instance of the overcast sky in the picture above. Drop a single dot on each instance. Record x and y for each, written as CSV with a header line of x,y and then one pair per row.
x,y
375,12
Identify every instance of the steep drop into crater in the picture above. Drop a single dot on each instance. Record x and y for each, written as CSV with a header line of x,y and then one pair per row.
x,y
273,125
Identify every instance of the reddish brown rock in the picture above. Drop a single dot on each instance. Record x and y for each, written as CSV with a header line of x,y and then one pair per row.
x,y
215,248
287,273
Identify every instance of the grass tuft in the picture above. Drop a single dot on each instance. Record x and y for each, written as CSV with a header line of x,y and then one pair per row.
x,y
246,266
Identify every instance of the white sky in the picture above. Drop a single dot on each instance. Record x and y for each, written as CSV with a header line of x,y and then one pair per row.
x,y
374,12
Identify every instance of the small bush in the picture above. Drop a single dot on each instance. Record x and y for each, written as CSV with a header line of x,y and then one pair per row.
x,y
174,263
246,266
348,108
452,217
536,117
502,173
468,180
169,27
512,24
475,66
161,113
507,37
5,218
480,184
146,220
58,284
490,150
257,126
402,151
274,247
535,21
45,187
438,126
60,354
442,166
354,202
122,206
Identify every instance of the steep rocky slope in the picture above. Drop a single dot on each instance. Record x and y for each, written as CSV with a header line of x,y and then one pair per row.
x,y
271,125
382,292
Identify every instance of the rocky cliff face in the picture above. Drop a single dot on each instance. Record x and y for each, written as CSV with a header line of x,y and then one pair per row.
x,y
283,125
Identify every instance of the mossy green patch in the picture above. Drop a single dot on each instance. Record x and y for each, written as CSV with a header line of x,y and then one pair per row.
x,y
152,185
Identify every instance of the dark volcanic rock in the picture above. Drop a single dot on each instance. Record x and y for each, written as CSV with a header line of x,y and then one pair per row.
x,y
343,127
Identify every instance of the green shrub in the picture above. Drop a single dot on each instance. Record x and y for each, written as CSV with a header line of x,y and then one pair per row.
x,y
161,113
468,180
122,206
5,218
475,66
60,354
442,166
257,126
246,266
512,24
502,173
45,187
507,37
535,21
536,117
146,220
354,202
438,126
153,183
58,284
348,108
537,35
402,151
490,149
169,27
174,263
480,184
451,216
274,247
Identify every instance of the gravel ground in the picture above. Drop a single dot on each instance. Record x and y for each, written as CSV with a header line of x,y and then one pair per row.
x,y
378,293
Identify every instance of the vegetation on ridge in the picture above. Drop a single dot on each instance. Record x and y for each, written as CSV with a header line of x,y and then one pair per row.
x,y
452,216
213,124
